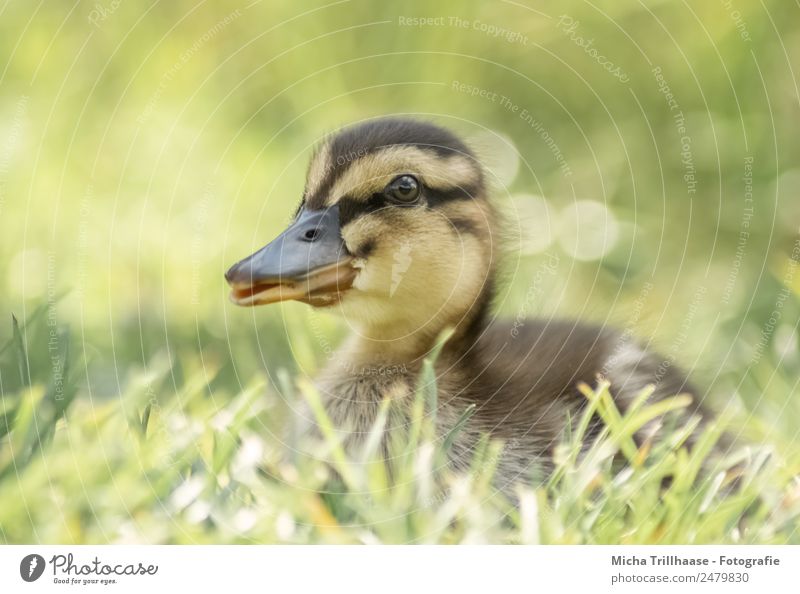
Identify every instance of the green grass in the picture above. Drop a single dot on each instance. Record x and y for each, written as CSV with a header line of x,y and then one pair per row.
x,y
137,404
174,460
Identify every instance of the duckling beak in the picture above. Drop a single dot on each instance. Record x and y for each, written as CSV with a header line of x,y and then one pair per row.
x,y
308,262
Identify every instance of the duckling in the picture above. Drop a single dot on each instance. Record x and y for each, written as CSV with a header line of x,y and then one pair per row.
x,y
397,233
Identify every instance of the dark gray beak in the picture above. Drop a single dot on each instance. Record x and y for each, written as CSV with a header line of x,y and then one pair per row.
x,y
308,262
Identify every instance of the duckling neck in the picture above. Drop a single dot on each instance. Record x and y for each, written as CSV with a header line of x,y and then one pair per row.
x,y
396,345
368,349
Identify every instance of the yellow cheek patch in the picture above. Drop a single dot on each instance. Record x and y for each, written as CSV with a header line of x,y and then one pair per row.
x,y
370,174
362,234
379,235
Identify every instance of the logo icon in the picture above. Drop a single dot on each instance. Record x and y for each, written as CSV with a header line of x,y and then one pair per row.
x,y
402,260
31,567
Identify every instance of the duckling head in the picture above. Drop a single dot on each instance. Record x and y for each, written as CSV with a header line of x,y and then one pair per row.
x,y
394,231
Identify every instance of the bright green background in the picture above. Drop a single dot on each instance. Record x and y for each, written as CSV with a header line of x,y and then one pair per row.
x,y
144,147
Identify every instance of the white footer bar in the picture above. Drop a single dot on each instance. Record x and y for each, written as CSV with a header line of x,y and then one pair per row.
x,y
400,569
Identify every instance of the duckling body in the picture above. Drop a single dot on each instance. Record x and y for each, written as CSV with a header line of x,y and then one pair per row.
x,y
522,385
396,233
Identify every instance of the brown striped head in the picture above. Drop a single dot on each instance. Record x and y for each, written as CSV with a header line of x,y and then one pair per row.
x,y
394,228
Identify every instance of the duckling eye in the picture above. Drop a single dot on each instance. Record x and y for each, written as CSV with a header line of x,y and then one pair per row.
x,y
403,189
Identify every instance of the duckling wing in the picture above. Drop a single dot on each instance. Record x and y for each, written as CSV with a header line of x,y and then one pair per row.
x,y
524,376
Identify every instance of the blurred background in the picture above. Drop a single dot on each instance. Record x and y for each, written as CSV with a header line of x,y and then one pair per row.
x,y
646,152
